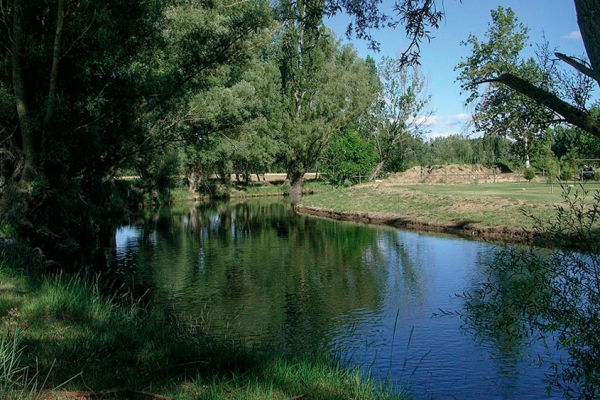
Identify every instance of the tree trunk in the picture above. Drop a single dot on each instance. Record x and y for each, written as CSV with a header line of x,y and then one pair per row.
x,y
193,182
55,61
588,15
296,179
571,114
23,114
377,170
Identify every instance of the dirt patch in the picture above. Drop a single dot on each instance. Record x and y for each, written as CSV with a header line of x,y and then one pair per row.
x,y
453,173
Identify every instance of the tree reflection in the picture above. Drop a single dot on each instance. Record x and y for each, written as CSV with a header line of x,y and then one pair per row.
x,y
257,269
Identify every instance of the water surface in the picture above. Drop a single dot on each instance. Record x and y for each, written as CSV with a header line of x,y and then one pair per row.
x,y
257,272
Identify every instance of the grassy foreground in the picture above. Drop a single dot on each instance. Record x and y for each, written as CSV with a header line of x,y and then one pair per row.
x,y
60,338
469,206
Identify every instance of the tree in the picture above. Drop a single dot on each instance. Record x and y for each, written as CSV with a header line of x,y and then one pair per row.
x,y
324,87
86,87
235,126
497,110
348,158
400,110
92,86
574,142
302,52
587,12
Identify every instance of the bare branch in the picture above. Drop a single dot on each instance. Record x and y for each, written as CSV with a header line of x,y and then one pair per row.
x,y
579,66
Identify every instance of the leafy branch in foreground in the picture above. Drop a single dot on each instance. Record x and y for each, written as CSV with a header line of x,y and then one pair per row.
x,y
535,295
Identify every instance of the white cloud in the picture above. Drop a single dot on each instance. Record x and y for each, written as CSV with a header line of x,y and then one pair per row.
x,y
575,35
462,117
424,120
446,126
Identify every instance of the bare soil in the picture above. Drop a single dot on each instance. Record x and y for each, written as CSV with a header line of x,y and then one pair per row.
x,y
454,173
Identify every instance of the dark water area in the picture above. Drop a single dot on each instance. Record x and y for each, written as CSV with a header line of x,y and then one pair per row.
x,y
257,272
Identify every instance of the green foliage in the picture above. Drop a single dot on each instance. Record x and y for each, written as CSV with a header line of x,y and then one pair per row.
x,y
414,151
159,173
529,174
534,295
573,143
399,113
348,159
235,125
125,80
453,149
326,88
498,110
566,172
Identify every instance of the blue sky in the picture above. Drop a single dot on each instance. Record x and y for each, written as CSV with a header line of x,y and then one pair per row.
x,y
555,18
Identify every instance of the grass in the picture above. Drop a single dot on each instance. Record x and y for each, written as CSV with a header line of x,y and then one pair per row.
x,y
491,205
60,337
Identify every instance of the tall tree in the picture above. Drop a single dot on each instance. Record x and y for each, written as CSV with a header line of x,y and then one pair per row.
x,y
235,126
587,18
95,83
305,51
400,112
497,110
324,87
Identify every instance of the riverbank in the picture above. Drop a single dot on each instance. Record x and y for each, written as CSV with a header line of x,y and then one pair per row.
x,y
500,212
62,338
274,188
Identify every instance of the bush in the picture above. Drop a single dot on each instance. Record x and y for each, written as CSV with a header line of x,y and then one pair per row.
x,y
348,159
566,173
529,174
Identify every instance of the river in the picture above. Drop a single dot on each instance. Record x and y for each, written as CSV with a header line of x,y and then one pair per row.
x,y
257,272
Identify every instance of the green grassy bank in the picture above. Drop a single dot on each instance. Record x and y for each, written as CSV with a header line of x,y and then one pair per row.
x,y
503,208
60,338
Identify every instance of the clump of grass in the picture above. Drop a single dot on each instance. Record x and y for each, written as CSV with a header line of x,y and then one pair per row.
x,y
12,373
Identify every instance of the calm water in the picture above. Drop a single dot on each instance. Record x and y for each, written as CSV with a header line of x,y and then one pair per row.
x,y
255,271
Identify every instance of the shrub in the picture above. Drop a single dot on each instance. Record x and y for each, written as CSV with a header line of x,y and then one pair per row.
x,y
566,173
529,174
348,159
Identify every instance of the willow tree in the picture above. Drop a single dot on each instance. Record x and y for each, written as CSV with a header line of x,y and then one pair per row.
x,y
400,112
324,90
86,85
309,70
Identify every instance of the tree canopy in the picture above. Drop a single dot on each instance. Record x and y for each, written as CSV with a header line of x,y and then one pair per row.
x,y
587,12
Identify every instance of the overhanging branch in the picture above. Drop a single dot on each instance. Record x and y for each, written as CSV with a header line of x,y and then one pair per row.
x,y
579,66
571,114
